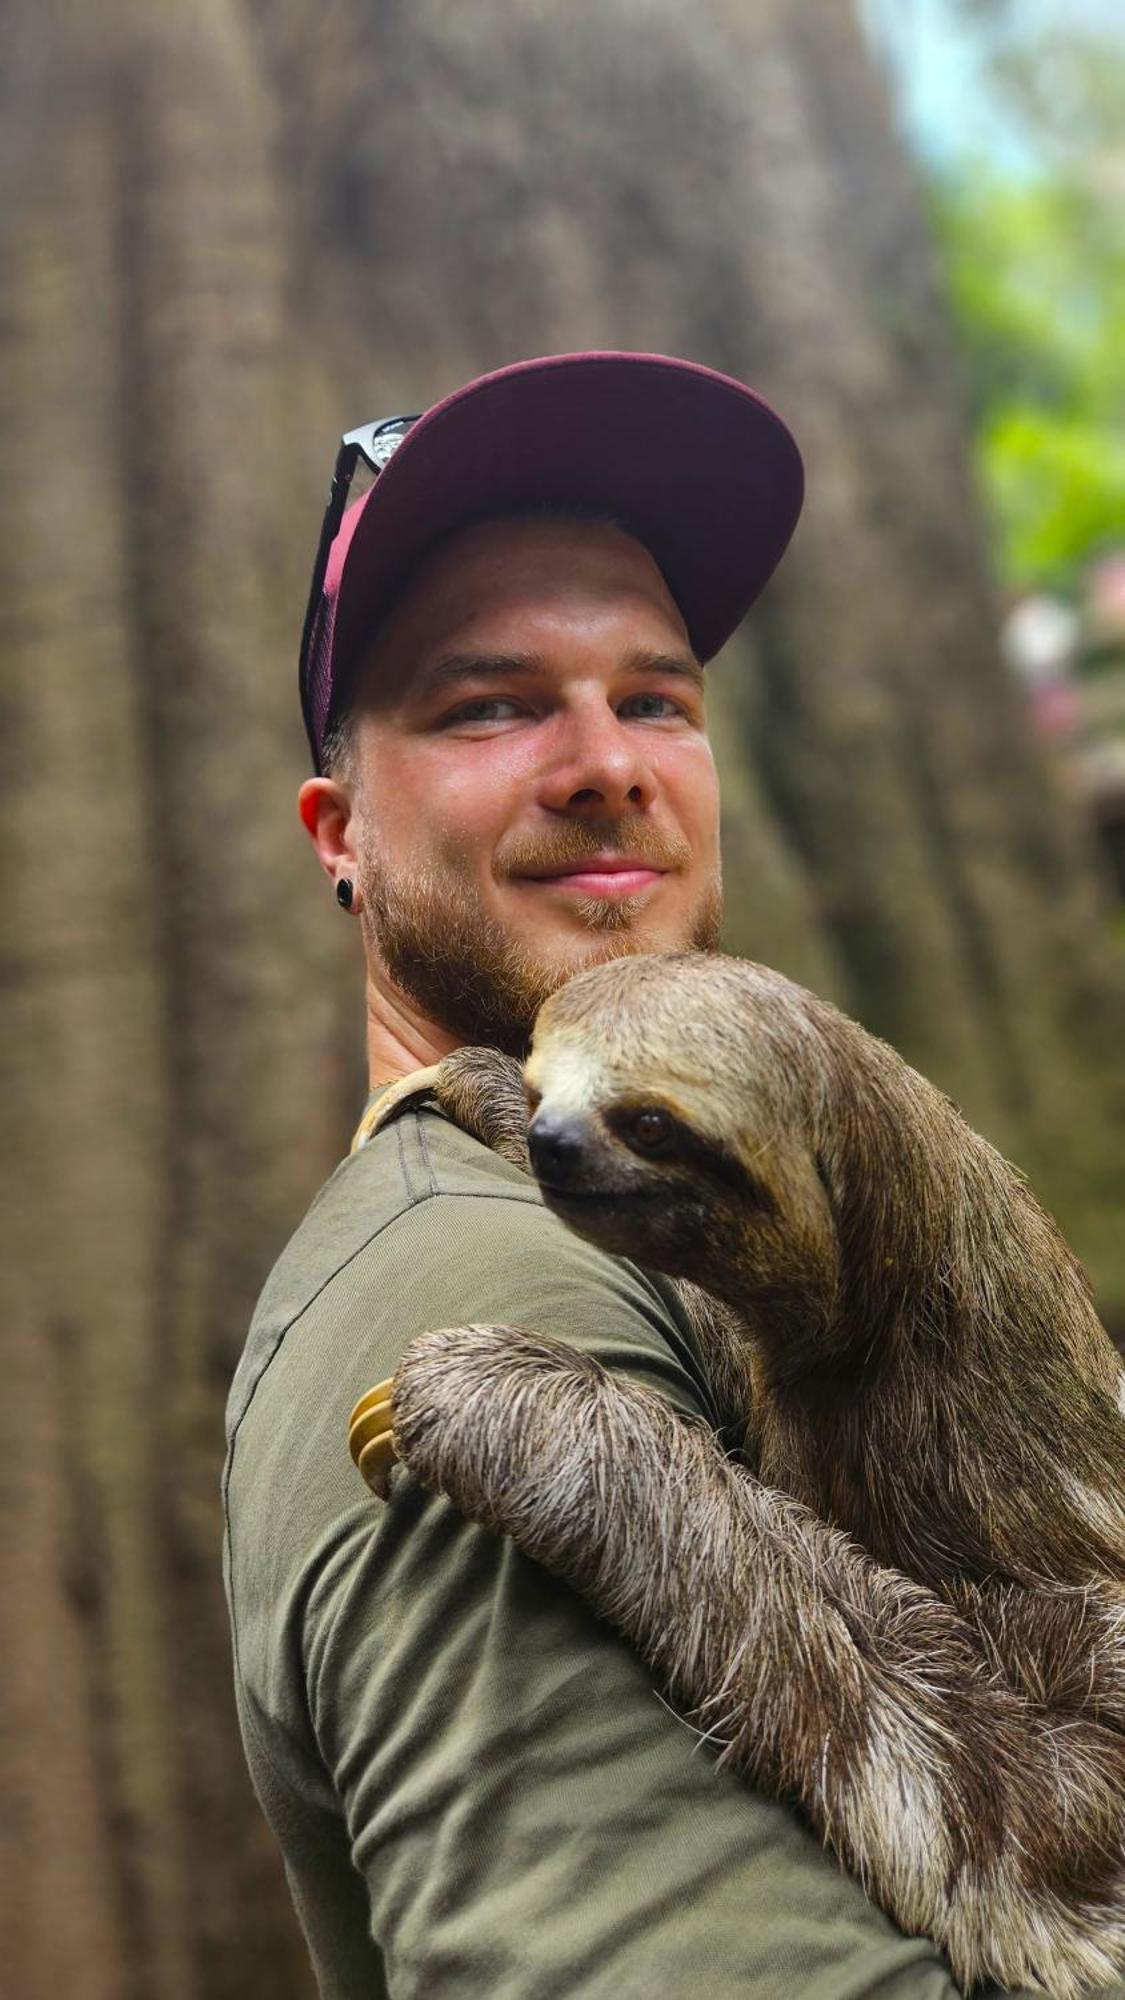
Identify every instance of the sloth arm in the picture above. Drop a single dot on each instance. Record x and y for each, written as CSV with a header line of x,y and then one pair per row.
x,y
820,1674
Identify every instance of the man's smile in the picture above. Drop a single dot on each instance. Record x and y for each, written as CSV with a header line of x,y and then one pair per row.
x,y
609,875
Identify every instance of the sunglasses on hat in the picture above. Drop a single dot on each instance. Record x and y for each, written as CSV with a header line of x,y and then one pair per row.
x,y
375,444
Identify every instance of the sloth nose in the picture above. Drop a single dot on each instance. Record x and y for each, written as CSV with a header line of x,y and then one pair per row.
x,y
557,1146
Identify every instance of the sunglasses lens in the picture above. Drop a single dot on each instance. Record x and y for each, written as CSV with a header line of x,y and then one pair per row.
x,y
377,443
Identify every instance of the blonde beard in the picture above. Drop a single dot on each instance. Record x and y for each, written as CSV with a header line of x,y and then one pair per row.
x,y
467,973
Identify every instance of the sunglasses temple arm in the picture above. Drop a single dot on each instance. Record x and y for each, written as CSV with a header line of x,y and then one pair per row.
x,y
330,528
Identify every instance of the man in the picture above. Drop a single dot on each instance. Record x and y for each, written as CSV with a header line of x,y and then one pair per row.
x,y
475,1787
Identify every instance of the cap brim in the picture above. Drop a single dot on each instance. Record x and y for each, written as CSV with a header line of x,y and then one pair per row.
x,y
696,465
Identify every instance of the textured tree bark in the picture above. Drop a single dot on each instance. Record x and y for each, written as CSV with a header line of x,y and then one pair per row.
x,y
151,751
83,1055
232,230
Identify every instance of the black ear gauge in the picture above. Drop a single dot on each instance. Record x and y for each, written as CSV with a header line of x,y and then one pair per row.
x,y
344,893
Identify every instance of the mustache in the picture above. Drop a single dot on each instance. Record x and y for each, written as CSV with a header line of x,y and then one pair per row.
x,y
574,841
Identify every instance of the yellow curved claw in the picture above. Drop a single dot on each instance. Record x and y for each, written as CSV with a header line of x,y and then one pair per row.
x,y
371,1439
390,1100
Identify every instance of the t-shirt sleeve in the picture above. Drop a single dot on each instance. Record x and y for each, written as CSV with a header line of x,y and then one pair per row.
x,y
529,1816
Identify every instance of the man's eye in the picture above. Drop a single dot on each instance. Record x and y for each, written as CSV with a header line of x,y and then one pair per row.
x,y
482,710
664,705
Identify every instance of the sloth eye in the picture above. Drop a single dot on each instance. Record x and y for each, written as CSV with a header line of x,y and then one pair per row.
x,y
652,1131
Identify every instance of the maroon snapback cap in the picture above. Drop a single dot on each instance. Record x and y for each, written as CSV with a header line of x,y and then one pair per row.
x,y
693,463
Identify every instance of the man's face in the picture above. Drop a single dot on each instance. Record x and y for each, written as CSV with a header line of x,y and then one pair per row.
x,y
533,782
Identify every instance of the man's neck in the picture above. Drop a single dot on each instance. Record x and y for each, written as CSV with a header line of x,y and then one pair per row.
x,y
399,1038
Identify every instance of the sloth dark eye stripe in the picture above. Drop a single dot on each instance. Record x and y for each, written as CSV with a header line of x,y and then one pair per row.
x,y
684,1146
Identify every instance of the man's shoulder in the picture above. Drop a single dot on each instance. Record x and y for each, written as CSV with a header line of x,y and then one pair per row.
x,y
419,1156
426,1227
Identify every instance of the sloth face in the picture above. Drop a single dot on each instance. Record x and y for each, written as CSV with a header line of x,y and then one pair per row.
x,y
668,1127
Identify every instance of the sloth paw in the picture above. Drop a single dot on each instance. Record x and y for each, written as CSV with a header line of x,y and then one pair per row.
x,y
494,1417
371,1438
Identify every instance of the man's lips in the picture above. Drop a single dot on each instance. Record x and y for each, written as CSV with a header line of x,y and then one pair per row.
x,y
611,876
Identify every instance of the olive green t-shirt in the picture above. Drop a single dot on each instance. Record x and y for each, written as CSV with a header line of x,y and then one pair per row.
x,y
476,1787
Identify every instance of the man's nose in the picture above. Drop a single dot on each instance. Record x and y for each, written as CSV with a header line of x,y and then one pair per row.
x,y
601,766
558,1143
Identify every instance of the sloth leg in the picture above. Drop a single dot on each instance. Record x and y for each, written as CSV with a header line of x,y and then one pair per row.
x,y
1062,1646
482,1091
971,1814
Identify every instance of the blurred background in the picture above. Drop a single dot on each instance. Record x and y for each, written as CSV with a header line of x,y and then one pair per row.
x,y
233,228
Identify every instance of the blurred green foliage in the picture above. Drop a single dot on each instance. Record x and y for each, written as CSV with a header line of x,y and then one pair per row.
x,y
1035,265
1036,272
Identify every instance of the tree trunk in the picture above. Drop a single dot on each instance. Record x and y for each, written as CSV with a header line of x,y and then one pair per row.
x,y
234,229
153,855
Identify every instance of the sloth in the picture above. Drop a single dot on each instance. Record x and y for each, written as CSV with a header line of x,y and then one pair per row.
x,y
891,1588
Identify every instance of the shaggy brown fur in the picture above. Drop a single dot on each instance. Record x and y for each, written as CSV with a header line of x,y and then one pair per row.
x,y
905,1608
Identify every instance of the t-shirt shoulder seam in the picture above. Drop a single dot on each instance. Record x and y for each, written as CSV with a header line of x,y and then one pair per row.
x,y
413,1201
414,1123
424,1149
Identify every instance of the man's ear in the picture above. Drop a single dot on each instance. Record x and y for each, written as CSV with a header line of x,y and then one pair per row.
x,y
325,807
